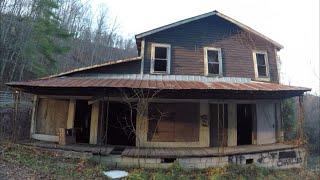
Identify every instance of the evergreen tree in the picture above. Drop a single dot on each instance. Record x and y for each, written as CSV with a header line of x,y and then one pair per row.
x,y
48,37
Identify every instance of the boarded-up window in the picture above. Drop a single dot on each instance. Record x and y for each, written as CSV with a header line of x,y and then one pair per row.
x,y
51,115
170,122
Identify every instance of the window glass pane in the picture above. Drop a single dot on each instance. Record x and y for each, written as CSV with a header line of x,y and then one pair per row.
x,y
213,68
160,53
160,65
213,56
261,59
262,70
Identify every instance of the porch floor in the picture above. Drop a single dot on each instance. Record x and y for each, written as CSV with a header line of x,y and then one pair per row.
x,y
165,152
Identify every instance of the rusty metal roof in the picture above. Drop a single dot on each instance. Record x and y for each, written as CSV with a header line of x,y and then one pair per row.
x,y
108,63
94,82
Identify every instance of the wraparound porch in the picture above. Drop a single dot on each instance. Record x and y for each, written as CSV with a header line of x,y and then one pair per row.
x,y
128,151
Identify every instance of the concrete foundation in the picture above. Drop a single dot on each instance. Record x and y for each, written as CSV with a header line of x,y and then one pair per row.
x,y
289,158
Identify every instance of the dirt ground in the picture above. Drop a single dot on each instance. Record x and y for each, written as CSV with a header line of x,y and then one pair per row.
x,y
14,171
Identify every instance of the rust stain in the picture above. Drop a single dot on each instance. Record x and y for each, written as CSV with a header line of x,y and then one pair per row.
x,y
154,84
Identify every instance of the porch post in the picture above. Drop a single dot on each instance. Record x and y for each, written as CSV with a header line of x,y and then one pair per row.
x,y
34,114
71,113
94,123
279,128
142,123
232,124
204,130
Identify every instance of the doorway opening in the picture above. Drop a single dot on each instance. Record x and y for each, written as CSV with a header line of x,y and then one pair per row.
x,y
218,125
82,121
121,124
245,124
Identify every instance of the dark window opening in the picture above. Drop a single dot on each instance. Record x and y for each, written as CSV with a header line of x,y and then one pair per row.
x,y
261,65
213,56
213,61
160,53
160,65
168,160
245,122
218,125
160,59
82,121
249,161
213,68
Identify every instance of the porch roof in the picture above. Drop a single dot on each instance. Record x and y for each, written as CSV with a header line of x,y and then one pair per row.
x,y
161,84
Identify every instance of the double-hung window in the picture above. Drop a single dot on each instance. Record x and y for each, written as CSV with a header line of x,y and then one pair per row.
x,y
160,58
212,61
261,66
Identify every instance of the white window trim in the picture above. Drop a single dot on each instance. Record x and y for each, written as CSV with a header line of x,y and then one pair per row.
x,y
206,70
153,46
266,78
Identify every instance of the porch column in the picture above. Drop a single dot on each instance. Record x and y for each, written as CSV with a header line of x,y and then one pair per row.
x,y
34,115
142,124
71,113
232,124
279,128
204,132
94,123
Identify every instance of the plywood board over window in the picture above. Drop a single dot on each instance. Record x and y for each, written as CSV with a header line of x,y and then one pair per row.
x,y
173,122
51,115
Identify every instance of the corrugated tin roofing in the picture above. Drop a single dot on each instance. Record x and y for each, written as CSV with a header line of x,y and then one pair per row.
x,y
94,82
108,63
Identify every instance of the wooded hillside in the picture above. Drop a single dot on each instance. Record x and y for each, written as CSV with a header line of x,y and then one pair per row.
x,y
41,37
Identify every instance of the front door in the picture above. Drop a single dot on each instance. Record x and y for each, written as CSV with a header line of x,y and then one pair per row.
x,y
266,123
245,122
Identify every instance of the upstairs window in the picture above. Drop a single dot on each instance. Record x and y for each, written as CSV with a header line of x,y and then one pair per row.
x,y
160,58
212,61
261,65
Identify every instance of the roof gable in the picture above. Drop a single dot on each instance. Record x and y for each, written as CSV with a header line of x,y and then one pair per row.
x,y
213,13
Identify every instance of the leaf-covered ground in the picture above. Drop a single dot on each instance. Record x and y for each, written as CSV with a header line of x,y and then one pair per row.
x,y
20,162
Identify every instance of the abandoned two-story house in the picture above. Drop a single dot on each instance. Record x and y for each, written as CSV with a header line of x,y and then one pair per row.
x,y
203,91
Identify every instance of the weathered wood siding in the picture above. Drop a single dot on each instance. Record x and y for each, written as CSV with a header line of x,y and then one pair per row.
x,y
173,122
187,42
122,68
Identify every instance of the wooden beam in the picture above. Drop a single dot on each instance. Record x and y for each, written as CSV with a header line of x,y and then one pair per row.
x,y
34,115
71,113
64,97
204,128
232,124
94,123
